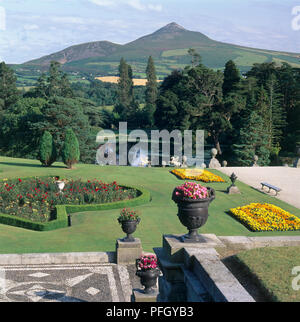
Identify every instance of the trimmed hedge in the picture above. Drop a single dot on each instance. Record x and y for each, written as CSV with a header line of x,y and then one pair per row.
x,y
62,212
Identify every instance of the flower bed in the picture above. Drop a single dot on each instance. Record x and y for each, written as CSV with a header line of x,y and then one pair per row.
x,y
266,217
197,174
35,199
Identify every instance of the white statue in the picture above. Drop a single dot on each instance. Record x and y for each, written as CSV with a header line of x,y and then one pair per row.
x,y
184,161
214,163
175,162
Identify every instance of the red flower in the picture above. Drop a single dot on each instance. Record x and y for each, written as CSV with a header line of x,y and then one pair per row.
x,y
20,180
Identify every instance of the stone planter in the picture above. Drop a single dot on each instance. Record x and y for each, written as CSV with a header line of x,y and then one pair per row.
x,y
60,185
148,279
193,214
129,227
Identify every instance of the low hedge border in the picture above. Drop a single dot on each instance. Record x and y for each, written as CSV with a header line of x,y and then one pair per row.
x,y
63,211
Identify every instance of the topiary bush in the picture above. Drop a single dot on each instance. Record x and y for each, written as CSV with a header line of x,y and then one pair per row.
x,y
70,150
47,151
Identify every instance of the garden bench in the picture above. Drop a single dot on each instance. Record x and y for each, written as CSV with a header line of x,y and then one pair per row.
x,y
276,189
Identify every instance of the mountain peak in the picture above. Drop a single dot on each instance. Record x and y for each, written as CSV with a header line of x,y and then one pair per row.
x,y
171,27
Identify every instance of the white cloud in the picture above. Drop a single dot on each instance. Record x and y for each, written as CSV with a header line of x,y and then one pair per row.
x,y
68,20
135,4
104,3
31,27
157,7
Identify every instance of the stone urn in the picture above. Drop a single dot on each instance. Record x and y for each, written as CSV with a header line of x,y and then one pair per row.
x,y
255,159
148,279
233,189
193,214
129,227
60,185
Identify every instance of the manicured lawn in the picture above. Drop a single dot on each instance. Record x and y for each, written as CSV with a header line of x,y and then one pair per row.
x,y
98,231
272,269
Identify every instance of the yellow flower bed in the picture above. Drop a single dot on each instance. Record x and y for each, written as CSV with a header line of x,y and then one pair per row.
x,y
197,174
266,217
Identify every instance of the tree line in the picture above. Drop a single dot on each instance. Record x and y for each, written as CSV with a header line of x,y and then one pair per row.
x,y
243,115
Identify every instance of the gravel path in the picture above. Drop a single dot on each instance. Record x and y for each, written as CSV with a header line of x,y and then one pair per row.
x,y
286,178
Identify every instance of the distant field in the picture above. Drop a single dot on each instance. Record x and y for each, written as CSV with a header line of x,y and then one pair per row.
x,y
25,88
248,58
114,79
280,61
175,52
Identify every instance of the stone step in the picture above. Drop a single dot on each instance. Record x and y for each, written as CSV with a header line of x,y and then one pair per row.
x,y
195,292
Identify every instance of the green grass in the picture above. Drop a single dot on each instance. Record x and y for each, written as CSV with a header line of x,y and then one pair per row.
x,y
98,230
272,268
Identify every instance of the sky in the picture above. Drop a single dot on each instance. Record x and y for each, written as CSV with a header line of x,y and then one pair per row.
x,y
31,29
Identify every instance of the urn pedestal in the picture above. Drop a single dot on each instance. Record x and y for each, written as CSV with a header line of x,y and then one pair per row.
x,y
127,253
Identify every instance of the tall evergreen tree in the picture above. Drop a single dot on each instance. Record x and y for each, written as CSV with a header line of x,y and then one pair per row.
x,y
127,107
8,88
151,85
122,106
263,109
54,79
170,101
231,78
278,112
151,93
70,151
65,87
253,140
41,88
47,150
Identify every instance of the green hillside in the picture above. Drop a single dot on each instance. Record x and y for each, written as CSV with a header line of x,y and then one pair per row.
x,y
168,46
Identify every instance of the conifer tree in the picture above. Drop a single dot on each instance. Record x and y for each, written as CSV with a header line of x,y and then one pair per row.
x,y
122,106
8,88
47,150
151,93
41,88
126,108
253,140
277,110
65,87
70,151
231,78
263,109
54,79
